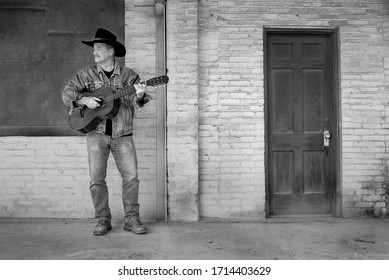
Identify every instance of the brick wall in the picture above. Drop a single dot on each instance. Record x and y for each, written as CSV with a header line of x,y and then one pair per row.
x,y
48,177
182,110
231,116
44,177
364,106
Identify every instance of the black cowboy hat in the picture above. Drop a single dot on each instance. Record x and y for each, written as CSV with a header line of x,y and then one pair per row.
x,y
104,36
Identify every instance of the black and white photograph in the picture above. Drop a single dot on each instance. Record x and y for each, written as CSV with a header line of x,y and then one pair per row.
x,y
194,139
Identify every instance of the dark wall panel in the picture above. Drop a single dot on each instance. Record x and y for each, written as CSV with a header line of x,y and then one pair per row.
x,y
40,51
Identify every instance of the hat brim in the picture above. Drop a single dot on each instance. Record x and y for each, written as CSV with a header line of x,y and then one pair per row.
x,y
120,50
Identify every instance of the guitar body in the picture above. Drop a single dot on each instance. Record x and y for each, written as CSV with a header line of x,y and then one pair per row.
x,y
86,120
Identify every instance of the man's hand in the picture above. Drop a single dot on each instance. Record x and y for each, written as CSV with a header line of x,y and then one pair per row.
x,y
89,101
140,90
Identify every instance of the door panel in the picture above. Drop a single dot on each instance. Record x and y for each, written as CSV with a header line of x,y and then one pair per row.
x,y
283,172
313,172
283,102
312,80
300,98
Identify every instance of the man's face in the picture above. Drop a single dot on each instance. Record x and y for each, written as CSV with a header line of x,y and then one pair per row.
x,y
102,52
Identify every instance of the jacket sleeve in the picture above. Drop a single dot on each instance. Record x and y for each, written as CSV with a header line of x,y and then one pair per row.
x,y
138,104
74,91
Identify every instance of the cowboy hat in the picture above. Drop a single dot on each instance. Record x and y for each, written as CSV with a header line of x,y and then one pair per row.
x,y
104,36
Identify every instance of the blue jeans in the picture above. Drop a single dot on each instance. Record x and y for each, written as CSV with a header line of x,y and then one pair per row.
x,y
123,151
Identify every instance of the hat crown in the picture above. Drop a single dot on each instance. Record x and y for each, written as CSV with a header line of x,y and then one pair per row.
x,y
105,34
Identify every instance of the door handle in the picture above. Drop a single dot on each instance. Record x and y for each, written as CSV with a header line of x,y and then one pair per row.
x,y
326,138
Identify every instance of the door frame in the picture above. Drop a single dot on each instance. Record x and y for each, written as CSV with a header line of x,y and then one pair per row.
x,y
161,57
333,33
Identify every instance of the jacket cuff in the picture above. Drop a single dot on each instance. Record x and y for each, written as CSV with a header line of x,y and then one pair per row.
x,y
140,103
73,103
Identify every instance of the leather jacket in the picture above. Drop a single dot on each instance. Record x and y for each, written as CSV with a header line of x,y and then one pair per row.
x,y
93,78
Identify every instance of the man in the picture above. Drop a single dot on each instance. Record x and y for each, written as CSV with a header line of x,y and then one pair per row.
x,y
114,135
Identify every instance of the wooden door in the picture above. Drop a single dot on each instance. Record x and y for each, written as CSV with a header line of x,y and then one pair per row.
x,y
301,169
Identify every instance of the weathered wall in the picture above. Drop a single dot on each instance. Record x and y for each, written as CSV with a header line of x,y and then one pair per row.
x,y
364,86
141,56
231,117
231,113
49,176
182,110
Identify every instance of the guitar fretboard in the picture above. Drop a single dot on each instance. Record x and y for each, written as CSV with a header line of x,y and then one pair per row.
x,y
130,90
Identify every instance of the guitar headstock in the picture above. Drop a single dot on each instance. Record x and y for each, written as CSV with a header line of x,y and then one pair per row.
x,y
158,81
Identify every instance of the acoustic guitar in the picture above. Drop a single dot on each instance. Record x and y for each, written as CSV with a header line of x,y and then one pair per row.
x,y
85,119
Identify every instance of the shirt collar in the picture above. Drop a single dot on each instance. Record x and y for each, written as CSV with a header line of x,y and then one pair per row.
x,y
116,69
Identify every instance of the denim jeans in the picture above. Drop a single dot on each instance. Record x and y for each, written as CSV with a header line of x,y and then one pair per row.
x,y
123,151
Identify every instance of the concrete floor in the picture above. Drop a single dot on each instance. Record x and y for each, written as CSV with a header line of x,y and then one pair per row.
x,y
315,238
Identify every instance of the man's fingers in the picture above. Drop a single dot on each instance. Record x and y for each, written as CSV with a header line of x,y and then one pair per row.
x,y
140,87
94,102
